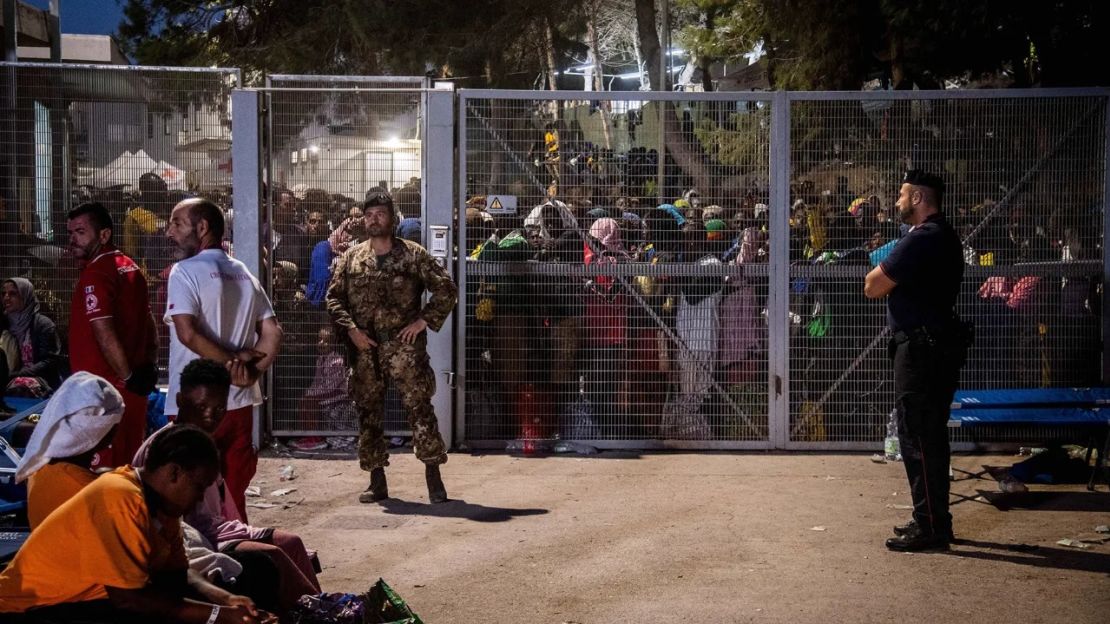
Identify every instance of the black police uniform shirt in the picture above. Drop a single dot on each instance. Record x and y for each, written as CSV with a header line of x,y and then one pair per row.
x,y
927,267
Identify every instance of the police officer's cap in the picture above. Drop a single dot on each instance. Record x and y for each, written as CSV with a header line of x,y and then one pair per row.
x,y
920,177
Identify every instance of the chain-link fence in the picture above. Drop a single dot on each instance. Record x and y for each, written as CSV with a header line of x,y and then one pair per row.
x,y
329,142
617,296
636,269
137,139
614,291
1025,191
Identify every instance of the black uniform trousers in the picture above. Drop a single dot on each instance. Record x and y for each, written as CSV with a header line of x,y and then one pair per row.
x,y
926,373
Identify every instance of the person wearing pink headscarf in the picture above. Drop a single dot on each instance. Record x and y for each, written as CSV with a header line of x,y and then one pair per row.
x,y
606,323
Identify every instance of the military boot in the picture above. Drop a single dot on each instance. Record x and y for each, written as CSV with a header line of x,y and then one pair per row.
x,y
378,490
437,493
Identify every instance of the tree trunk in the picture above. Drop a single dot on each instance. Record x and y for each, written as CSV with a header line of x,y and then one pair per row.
x,y
687,157
645,85
897,69
649,40
549,55
704,62
596,77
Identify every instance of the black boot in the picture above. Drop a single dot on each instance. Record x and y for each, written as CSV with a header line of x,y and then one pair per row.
x,y
378,490
910,527
917,540
905,529
437,493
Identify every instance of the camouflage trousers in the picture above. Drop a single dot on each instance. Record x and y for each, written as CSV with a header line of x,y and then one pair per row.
x,y
405,366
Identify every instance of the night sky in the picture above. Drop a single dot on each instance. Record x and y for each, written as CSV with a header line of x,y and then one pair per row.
x,y
86,17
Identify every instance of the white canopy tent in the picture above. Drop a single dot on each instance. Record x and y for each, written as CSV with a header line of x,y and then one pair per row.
x,y
126,169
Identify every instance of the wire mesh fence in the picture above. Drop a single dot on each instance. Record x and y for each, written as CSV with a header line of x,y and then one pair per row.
x,y
1025,192
615,296
614,291
137,139
330,141
617,275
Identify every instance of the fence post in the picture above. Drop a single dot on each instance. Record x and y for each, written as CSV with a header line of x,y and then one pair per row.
x,y
439,212
245,184
1106,237
778,304
460,272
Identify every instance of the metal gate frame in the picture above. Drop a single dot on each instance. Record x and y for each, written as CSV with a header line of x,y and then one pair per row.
x,y
1025,94
779,270
777,266
253,153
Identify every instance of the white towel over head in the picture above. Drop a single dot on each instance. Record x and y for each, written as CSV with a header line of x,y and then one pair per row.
x,y
81,412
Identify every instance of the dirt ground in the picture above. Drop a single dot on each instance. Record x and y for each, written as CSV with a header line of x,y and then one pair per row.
x,y
624,537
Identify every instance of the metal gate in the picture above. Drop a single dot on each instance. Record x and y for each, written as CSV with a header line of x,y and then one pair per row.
x,y
324,143
1026,191
605,302
601,300
594,309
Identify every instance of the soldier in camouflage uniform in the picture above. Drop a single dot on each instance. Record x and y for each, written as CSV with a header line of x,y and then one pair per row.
x,y
376,296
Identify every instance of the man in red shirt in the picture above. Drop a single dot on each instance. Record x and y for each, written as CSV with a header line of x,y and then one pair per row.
x,y
111,329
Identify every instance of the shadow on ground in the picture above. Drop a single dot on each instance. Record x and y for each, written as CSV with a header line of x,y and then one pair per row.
x,y
545,454
456,509
1043,500
1031,555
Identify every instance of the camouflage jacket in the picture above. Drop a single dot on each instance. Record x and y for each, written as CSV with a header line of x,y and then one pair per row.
x,y
382,298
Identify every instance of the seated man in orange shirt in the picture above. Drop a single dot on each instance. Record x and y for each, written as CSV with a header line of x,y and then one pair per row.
x,y
115,553
79,421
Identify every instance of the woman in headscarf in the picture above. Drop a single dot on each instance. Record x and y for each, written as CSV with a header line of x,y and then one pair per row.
x,y
606,325
36,339
79,421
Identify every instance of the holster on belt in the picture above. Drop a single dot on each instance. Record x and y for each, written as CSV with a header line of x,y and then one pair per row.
x,y
958,331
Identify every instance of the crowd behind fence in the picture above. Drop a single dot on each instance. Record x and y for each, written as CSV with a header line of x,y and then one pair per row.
x,y
136,139
617,272
666,337
332,141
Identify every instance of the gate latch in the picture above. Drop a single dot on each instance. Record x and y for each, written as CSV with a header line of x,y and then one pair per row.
x,y
450,375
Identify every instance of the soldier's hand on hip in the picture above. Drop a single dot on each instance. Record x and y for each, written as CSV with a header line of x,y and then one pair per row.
x,y
361,341
412,330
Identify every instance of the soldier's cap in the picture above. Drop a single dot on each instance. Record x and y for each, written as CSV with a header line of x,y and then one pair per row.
x,y
920,177
377,197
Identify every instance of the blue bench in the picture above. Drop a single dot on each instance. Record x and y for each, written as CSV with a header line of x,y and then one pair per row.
x,y
14,497
1085,409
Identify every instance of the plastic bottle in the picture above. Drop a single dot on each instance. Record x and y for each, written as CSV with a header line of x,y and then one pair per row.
x,y
891,450
287,473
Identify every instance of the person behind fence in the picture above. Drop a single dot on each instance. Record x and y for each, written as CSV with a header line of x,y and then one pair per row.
x,y
921,280
376,297
143,223
111,329
216,309
34,339
115,553
326,402
79,420
314,231
202,402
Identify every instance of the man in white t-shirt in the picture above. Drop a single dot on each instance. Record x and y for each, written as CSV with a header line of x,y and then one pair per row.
x,y
217,310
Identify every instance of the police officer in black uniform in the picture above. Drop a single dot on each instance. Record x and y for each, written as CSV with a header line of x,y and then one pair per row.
x,y
922,277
